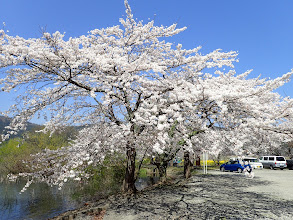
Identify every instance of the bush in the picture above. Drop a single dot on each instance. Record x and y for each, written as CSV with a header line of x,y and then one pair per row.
x,y
106,179
212,163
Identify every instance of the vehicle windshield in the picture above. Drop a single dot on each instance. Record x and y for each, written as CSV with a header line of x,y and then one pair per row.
x,y
280,159
250,159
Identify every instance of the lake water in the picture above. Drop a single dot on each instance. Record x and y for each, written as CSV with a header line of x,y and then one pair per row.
x,y
144,182
39,201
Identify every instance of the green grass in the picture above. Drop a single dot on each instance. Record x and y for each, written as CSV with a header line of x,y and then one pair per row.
x,y
143,172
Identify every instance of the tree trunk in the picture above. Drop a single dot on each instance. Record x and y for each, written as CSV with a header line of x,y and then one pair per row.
x,y
197,161
129,181
187,165
162,172
161,165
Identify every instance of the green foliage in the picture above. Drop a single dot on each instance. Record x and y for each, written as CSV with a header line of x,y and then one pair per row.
x,y
172,129
146,161
39,141
5,121
143,172
182,142
194,133
15,150
105,179
11,156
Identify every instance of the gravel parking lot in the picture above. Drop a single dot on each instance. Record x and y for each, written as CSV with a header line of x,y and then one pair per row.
x,y
218,195
280,183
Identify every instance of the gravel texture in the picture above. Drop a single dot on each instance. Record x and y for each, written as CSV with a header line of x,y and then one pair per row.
x,y
280,183
214,196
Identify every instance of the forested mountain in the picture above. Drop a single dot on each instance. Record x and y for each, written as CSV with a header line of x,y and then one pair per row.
x,y
20,147
4,121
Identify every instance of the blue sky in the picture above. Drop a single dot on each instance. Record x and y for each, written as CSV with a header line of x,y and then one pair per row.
x,y
260,30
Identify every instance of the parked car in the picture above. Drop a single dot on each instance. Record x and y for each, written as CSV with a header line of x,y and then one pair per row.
x,y
254,163
273,162
290,164
232,165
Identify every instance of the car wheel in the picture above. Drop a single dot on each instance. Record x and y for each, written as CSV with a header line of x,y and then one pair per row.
x,y
223,169
239,170
281,168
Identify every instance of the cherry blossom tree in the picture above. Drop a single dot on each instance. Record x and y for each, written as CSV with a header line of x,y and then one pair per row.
x,y
227,108
243,115
129,87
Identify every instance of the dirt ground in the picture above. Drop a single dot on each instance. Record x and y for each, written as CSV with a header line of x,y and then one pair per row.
x,y
217,195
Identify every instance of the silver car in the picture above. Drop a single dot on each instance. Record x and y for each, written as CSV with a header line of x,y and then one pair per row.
x,y
254,163
273,162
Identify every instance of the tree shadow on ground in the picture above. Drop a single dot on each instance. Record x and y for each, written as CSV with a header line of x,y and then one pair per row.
x,y
201,197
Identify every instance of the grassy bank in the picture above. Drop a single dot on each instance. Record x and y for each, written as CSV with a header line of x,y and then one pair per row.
x,y
14,151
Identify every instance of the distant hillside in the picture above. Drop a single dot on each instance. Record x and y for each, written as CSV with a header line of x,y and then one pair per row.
x,y
4,121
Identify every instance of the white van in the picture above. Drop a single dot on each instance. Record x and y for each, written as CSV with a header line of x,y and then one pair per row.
x,y
273,162
254,163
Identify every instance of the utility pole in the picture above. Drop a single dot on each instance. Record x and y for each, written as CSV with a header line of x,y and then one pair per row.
x,y
205,162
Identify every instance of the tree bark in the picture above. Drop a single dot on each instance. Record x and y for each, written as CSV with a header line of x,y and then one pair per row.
x,y
187,165
161,165
162,172
129,181
197,161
